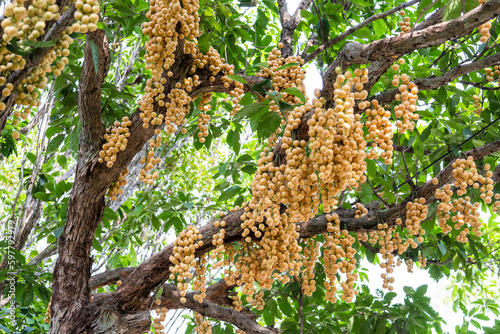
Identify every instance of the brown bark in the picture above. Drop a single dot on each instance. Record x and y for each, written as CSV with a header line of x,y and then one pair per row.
x,y
217,296
289,24
89,94
71,293
443,80
308,57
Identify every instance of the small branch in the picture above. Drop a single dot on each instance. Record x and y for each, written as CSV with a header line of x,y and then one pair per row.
x,y
436,82
478,85
289,24
380,198
424,11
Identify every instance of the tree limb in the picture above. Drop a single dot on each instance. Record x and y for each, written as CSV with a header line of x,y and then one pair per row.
x,y
350,31
392,48
89,94
289,24
155,271
436,82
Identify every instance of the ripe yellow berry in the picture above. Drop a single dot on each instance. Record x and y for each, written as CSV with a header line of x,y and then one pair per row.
x,y
15,135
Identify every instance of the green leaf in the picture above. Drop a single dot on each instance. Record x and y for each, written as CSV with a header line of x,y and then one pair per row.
x,y
365,193
285,306
442,95
14,47
295,92
38,44
124,10
177,223
364,33
420,292
158,294
452,10
229,193
360,3
268,124
379,27
204,43
236,141
467,133
370,256
441,247
6,329
381,327
43,293
262,65
482,317
287,66
95,55
237,78
250,110
55,143
27,295
42,196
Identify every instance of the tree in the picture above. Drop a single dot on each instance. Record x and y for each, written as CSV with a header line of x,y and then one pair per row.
x,y
192,117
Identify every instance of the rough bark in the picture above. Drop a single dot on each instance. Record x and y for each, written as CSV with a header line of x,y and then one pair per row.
x,y
439,81
89,94
71,293
289,24
308,57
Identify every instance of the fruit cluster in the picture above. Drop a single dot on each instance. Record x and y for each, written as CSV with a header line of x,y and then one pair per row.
x,y
405,23
116,187
338,257
202,326
28,22
116,140
183,258
456,207
86,16
484,30
477,105
161,315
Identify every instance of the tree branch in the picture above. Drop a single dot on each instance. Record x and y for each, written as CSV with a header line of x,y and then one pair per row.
x,y
289,24
391,48
431,36
153,272
89,95
350,31
436,82
245,321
